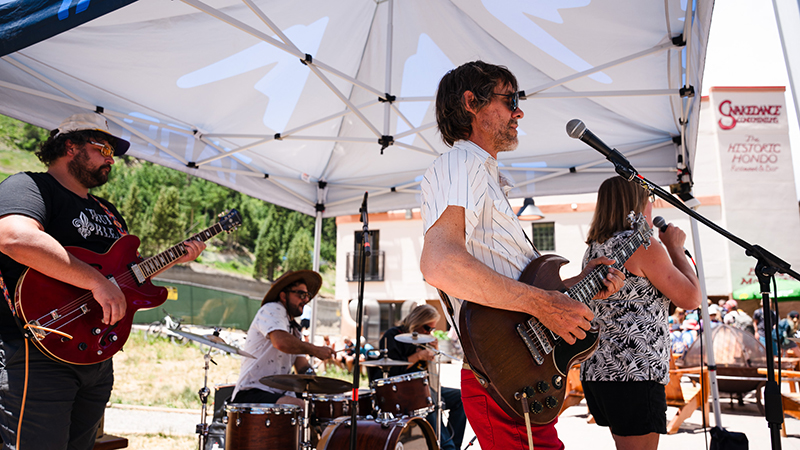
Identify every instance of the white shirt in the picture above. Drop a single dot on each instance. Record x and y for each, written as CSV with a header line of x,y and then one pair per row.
x,y
468,176
268,359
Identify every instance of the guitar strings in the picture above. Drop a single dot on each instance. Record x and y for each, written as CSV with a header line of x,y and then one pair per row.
x,y
149,266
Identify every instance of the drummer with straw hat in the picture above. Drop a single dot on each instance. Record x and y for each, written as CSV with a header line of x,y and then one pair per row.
x,y
274,339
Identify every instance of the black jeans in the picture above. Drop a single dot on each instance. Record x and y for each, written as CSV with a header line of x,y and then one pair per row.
x,y
64,402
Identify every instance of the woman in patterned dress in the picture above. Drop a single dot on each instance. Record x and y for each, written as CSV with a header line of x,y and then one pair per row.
x,y
624,380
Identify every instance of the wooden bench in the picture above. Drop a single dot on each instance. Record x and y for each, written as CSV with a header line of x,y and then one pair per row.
x,y
791,399
686,399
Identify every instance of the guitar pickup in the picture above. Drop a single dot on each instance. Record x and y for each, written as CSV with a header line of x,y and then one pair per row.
x,y
541,335
528,340
137,272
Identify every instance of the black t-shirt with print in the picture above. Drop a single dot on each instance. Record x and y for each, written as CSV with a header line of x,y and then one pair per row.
x,y
72,220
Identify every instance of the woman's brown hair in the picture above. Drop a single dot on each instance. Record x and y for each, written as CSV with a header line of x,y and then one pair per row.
x,y
616,198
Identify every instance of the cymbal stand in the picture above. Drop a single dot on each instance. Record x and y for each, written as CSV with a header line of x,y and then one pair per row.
x,y
306,444
439,404
202,427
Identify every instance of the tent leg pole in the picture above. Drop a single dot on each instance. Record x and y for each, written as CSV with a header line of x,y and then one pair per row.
x,y
712,365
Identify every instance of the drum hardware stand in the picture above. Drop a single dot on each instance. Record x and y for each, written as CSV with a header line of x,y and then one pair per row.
x,y
202,427
306,443
439,403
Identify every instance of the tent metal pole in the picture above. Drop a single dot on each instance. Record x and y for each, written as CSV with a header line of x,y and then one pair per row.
x,y
387,106
712,365
787,17
317,248
599,68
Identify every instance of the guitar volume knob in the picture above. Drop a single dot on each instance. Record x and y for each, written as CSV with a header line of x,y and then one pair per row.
x,y
96,331
542,387
551,402
536,407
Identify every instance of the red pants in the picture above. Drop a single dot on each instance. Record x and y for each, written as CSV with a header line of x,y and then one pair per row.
x,y
494,428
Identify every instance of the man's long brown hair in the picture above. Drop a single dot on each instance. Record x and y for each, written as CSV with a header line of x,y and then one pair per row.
x,y
616,198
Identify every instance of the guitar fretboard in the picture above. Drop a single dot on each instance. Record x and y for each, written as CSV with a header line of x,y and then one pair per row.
x,y
152,265
590,285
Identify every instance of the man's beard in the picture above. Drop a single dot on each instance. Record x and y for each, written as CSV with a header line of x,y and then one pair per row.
x,y
295,311
505,140
79,168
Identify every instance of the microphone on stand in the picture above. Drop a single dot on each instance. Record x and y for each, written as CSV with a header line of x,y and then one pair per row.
x,y
577,130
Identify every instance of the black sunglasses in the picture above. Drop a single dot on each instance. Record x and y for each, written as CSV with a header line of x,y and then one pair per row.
x,y
428,328
302,294
513,103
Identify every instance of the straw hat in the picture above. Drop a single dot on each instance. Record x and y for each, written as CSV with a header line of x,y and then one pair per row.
x,y
312,279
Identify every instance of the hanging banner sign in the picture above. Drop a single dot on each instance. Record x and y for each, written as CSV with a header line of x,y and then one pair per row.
x,y
757,175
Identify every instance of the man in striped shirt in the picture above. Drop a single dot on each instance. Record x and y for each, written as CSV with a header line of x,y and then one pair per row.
x,y
475,248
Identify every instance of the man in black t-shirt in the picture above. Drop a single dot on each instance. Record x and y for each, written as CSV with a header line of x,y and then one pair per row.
x,y
422,320
40,214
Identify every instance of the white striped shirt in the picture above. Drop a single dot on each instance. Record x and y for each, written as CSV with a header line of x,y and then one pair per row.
x,y
467,176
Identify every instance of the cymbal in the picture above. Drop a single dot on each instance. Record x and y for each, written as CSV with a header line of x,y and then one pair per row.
x,y
383,362
213,341
312,383
415,338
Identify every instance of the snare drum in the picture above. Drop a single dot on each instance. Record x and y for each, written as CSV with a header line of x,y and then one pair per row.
x,y
406,433
253,426
404,394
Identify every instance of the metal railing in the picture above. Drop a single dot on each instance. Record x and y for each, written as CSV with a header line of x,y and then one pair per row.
x,y
374,266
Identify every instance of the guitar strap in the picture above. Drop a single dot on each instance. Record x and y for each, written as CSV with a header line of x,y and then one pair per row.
x,y
6,296
117,223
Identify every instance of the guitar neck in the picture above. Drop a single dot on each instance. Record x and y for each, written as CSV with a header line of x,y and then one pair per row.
x,y
588,287
154,264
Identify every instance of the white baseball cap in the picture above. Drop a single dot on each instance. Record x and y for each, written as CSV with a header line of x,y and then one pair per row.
x,y
96,122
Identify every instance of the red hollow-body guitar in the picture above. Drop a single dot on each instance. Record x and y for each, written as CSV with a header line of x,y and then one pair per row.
x,y
66,322
512,352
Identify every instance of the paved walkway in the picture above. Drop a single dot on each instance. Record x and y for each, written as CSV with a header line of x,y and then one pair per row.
x,y
573,429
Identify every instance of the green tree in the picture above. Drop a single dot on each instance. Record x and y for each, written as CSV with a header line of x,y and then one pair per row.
x,y
268,247
21,135
168,225
135,212
299,255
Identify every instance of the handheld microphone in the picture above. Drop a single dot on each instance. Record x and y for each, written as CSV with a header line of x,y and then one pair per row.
x,y
659,222
577,130
662,225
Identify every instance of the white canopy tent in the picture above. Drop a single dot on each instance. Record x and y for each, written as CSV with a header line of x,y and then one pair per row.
x,y
309,104
218,89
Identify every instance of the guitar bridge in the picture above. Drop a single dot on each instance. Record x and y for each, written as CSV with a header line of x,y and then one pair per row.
x,y
532,348
35,329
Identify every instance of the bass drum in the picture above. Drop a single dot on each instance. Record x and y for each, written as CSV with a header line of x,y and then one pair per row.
x,y
406,433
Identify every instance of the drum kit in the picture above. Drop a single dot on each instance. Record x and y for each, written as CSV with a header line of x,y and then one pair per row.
x,y
390,414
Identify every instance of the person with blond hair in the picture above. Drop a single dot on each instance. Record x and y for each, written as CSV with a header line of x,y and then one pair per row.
x,y
423,319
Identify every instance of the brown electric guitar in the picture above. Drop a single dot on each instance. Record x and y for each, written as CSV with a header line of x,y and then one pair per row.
x,y
512,352
66,322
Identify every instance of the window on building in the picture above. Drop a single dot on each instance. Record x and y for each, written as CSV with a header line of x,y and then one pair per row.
x,y
373,263
543,236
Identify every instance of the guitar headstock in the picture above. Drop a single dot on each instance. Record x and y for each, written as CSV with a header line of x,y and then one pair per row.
x,y
230,221
639,226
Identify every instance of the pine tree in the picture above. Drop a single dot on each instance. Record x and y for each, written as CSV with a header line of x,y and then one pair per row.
x,y
167,224
299,255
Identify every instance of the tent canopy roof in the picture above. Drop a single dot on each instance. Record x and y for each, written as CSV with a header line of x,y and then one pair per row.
x,y
219,90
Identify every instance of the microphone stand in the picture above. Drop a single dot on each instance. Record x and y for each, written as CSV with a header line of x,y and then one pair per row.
x,y
363,253
767,264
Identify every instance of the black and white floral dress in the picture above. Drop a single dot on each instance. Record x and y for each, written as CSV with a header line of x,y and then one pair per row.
x,y
634,337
